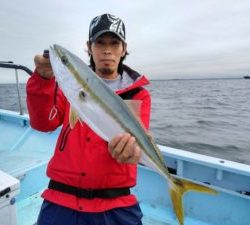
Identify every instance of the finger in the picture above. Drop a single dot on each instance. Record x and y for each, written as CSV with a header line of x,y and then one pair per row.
x,y
114,142
45,72
136,156
48,74
128,150
41,61
120,145
38,59
43,66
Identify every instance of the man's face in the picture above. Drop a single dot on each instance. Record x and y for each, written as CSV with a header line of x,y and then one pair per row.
x,y
107,51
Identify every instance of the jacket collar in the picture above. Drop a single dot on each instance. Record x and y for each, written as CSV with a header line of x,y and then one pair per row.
x,y
138,80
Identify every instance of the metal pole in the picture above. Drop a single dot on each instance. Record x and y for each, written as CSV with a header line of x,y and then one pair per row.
x,y
18,93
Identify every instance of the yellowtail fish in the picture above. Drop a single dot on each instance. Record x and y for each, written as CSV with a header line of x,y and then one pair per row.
x,y
107,114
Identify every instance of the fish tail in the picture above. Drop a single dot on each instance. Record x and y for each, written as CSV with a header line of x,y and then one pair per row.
x,y
178,188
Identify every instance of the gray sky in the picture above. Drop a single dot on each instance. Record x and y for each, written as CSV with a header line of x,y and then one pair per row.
x,y
166,39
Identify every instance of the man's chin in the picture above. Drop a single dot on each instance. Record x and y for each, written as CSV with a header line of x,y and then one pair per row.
x,y
106,71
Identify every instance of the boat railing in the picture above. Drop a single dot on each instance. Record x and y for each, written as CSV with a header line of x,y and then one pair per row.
x,y
11,65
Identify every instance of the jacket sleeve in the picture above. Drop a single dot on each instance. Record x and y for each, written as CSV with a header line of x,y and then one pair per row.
x,y
145,97
45,102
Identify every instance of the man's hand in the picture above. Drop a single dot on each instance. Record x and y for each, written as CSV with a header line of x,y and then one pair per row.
x,y
43,66
125,149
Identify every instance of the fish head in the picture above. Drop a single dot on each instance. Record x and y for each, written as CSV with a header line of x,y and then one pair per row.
x,y
70,73
64,63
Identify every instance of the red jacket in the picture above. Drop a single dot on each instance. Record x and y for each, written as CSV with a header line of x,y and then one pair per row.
x,y
81,157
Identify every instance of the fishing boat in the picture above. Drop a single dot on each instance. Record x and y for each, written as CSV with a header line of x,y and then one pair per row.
x,y
246,77
25,152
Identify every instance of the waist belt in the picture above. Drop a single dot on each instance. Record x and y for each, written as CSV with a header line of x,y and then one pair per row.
x,y
88,193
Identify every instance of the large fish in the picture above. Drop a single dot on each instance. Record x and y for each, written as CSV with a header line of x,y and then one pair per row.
x,y
108,115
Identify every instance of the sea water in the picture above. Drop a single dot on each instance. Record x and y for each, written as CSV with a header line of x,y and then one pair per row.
x,y
209,116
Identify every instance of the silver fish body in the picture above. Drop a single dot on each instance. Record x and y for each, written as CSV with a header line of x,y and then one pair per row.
x,y
96,104
108,115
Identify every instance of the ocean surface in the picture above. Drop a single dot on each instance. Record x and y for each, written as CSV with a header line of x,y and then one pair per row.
x,y
210,117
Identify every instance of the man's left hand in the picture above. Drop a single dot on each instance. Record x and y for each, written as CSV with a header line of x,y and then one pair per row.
x,y
124,149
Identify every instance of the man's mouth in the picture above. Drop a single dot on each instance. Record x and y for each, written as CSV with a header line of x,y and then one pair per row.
x,y
107,60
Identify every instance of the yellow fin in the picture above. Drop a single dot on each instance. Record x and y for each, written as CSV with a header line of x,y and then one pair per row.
x,y
73,118
178,188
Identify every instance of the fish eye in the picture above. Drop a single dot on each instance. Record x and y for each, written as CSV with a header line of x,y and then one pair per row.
x,y
64,60
82,95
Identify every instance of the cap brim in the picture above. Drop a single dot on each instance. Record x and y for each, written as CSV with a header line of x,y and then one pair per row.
x,y
98,34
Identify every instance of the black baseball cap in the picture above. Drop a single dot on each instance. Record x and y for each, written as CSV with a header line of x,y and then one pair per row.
x,y
106,23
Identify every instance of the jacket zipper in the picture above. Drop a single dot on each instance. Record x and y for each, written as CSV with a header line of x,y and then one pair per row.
x,y
64,137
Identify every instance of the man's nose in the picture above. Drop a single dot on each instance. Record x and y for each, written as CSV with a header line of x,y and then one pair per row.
x,y
106,52
106,49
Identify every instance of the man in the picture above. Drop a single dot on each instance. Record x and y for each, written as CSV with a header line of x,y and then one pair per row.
x,y
90,178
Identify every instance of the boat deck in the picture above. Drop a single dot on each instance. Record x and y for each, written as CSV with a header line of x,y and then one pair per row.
x,y
28,210
24,153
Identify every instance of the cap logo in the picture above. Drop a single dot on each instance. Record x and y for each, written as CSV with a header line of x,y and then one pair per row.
x,y
115,25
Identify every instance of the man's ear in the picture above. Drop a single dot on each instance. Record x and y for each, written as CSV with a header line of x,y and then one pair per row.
x,y
89,47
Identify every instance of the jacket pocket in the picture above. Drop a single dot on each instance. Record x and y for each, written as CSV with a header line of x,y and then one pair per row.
x,y
65,135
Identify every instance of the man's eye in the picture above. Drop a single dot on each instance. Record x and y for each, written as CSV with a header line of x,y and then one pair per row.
x,y
99,42
115,43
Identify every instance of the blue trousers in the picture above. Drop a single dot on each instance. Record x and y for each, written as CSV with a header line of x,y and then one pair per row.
x,y
52,214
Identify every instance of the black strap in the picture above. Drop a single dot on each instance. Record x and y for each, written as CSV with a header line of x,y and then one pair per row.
x,y
88,193
129,94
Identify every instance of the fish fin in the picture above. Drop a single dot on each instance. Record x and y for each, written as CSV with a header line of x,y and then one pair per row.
x,y
178,188
73,118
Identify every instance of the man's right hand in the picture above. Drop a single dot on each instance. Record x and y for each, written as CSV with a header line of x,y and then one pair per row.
x,y
43,66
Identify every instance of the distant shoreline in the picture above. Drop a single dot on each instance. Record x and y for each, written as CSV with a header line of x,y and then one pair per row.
x,y
176,79
171,79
